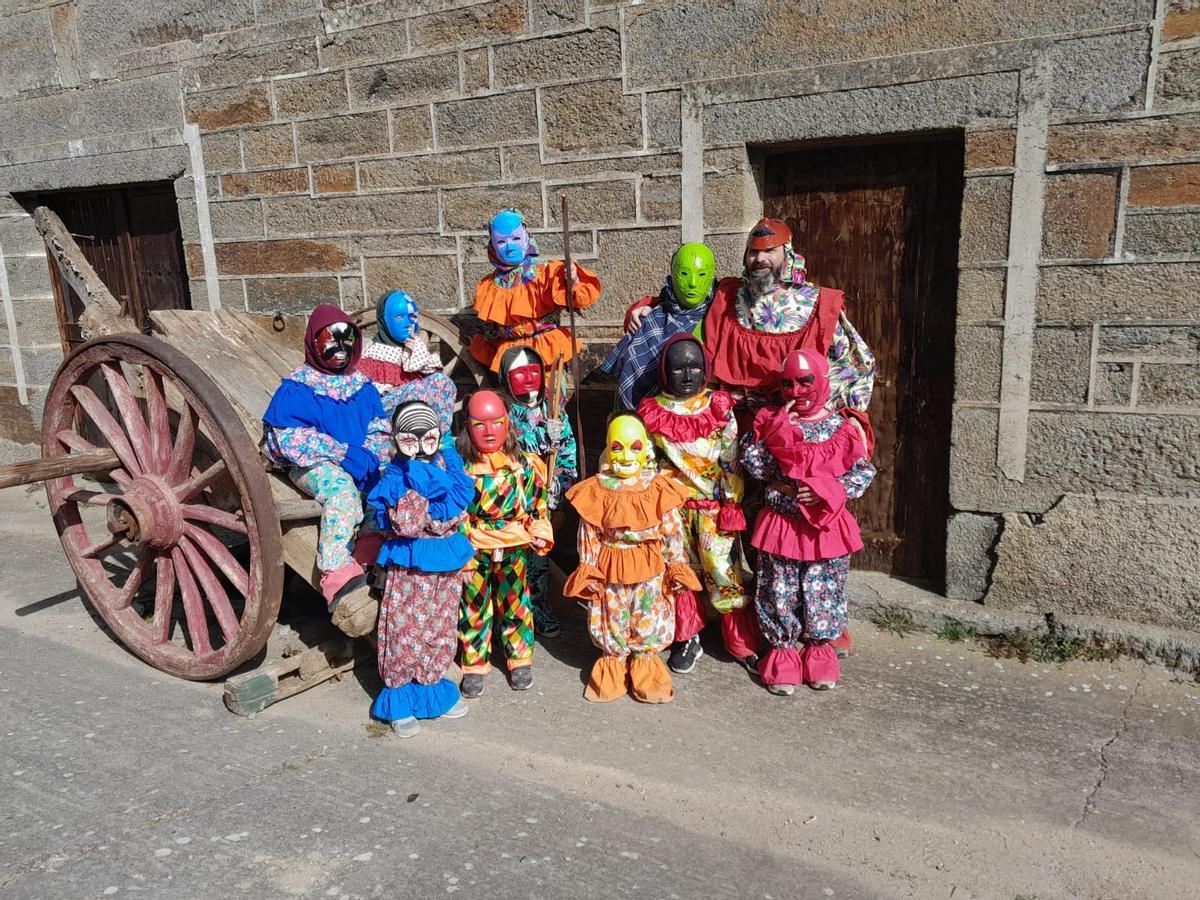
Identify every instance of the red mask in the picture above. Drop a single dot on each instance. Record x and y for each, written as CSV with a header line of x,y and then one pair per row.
x,y
487,421
804,380
525,380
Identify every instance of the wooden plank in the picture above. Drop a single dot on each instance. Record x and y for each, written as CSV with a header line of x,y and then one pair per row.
x,y
101,460
254,691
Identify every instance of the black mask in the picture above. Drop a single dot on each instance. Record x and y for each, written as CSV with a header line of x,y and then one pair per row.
x,y
684,369
336,343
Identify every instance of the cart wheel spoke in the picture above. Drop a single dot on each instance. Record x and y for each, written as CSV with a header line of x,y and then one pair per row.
x,y
200,481
108,426
104,544
193,605
73,441
218,600
164,599
146,556
87,498
201,512
221,557
185,445
159,423
131,414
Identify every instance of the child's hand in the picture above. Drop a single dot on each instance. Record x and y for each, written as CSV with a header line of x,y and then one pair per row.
x,y
573,274
805,496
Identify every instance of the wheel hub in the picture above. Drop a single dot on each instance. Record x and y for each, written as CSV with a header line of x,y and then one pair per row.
x,y
148,513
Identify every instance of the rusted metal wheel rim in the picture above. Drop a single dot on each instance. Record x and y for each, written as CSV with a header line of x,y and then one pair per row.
x,y
178,488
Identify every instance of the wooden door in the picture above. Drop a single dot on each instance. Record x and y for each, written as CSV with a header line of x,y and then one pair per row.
x,y
880,222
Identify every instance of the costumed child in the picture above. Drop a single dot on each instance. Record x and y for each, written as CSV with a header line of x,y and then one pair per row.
x,y
400,363
543,429
520,302
696,435
420,504
633,568
508,518
813,461
680,307
327,426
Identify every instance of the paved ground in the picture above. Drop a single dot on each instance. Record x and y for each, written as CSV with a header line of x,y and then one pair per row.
x,y
934,771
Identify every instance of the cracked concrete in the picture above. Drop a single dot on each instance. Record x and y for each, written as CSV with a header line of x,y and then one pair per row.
x,y
1089,804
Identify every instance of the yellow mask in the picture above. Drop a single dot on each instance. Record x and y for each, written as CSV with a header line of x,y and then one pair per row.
x,y
629,447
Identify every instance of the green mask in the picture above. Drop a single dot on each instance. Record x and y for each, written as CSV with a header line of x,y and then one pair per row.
x,y
693,270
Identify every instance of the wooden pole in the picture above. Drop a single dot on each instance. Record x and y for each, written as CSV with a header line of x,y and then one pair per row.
x,y
102,460
554,409
570,271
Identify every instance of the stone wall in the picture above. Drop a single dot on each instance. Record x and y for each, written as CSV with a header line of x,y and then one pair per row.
x,y
345,147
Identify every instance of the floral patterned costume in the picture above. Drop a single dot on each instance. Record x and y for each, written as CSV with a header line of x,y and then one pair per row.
x,y
697,443
420,507
409,371
632,566
804,550
508,511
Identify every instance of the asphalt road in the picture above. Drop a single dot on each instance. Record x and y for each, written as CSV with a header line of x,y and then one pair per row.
x,y
933,771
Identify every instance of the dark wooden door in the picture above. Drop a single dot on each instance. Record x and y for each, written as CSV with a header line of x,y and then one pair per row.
x,y
880,222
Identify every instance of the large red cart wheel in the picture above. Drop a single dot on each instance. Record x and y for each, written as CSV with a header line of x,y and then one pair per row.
x,y
189,485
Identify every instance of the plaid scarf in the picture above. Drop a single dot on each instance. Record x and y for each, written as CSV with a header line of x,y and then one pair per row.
x,y
634,360
507,276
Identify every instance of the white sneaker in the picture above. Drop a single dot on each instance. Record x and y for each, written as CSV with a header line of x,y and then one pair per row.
x,y
458,710
823,685
782,690
406,728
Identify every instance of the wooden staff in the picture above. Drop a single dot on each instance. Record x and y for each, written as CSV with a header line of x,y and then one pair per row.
x,y
570,273
554,409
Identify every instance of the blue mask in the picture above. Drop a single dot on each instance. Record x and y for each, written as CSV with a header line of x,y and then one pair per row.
x,y
509,237
399,317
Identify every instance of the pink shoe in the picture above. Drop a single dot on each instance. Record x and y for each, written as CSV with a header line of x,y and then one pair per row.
x,y
340,582
821,667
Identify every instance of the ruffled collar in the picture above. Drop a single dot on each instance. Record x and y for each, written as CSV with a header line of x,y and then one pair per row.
x,y
491,463
507,276
412,356
800,456
688,420
324,384
636,503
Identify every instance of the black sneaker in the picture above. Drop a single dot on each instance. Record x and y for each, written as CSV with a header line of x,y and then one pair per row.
x,y
684,655
471,686
521,679
751,664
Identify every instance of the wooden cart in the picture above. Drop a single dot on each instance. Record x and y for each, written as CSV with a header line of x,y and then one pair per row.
x,y
166,426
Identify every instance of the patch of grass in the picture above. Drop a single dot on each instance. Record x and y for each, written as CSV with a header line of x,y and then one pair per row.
x,y
894,619
377,729
954,632
1049,648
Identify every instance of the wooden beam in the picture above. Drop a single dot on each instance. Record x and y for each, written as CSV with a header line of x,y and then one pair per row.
x,y
102,460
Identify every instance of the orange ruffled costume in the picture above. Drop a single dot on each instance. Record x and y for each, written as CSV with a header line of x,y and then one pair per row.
x,y
520,314
632,565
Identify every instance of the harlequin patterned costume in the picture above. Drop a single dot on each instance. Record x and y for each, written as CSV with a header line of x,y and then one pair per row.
x,y
632,566
804,550
420,508
697,442
509,509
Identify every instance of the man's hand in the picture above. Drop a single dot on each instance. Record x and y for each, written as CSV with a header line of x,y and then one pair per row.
x,y
635,319
554,431
573,274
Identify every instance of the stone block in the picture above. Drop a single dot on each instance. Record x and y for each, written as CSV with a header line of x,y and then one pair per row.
x,y
729,250
1178,78
926,105
476,70
462,167
290,296
257,61
1160,186
991,149
18,234
222,151
594,115
28,276
244,105
352,296
275,181
268,146
1080,215
1162,233
555,15
977,362
980,294
595,202
661,198
499,119
431,244
280,10
351,215
275,257
334,179
1061,362
470,24
524,161
661,46
725,201
405,81
1084,558
662,118
631,263
39,363
550,243
233,218
433,279
1100,73
108,27
1124,341
1114,384
412,129
36,321
1182,20
985,215
470,209
1102,293
20,423
310,95
341,137
381,40
1163,384
26,52
575,56
1161,139
970,554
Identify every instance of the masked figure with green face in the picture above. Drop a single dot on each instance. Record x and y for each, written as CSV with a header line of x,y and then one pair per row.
x,y
680,308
